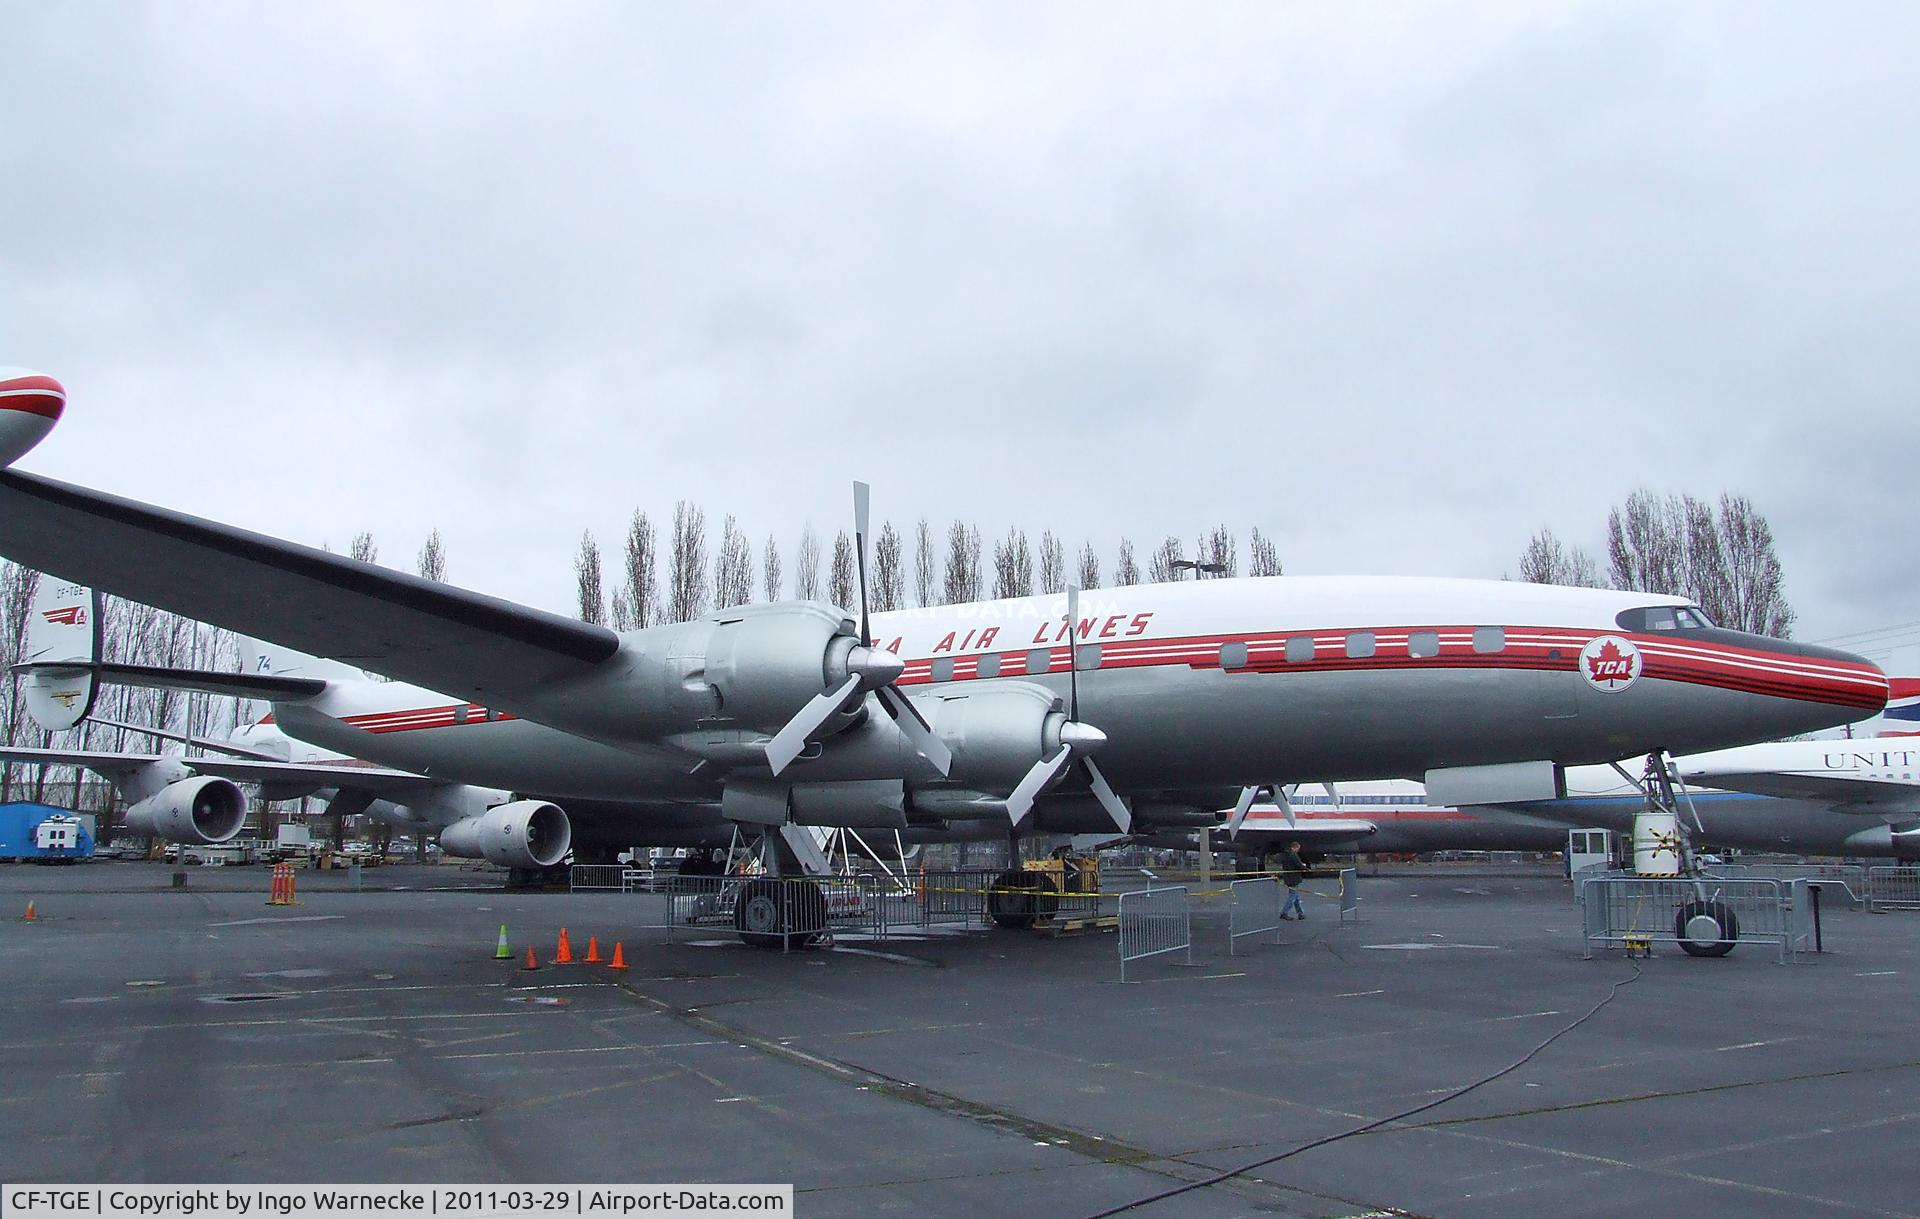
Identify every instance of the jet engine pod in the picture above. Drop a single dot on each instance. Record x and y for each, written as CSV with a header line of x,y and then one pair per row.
x,y
201,812
30,404
524,834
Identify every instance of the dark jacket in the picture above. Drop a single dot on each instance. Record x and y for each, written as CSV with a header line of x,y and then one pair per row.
x,y
1292,868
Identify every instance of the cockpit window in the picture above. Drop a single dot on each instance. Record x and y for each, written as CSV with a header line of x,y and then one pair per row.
x,y
1663,618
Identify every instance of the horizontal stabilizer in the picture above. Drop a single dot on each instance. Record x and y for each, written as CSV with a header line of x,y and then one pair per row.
x,y
207,681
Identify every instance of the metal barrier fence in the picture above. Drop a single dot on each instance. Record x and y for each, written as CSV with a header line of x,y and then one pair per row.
x,y
1253,907
1349,894
591,876
1893,888
1154,922
1706,917
1851,877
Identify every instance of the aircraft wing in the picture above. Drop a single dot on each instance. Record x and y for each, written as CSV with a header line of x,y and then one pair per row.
x,y
1846,793
1311,831
379,781
434,635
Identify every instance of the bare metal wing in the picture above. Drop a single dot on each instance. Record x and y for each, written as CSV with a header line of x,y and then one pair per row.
x,y
378,780
434,635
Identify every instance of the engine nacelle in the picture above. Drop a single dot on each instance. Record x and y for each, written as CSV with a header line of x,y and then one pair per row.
x,y
763,663
202,811
996,735
524,834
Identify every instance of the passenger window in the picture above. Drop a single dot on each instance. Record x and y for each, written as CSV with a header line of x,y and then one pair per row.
x,y
1489,639
943,669
1300,649
459,715
990,664
1233,655
1039,660
1422,644
1086,657
1360,645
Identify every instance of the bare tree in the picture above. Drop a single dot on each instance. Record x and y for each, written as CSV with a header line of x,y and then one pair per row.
x,y
924,562
687,579
642,576
1125,570
433,559
1053,563
1089,566
806,565
1160,566
17,588
770,569
620,610
1723,560
1547,561
1262,558
962,581
1219,549
889,571
732,566
586,571
840,571
1750,595
363,548
1013,566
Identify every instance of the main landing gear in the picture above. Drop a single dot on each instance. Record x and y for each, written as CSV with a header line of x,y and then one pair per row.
x,y
783,909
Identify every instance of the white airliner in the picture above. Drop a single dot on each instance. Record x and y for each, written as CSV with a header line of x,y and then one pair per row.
x,y
799,712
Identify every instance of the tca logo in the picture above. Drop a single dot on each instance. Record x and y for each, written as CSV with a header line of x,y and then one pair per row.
x,y
1610,663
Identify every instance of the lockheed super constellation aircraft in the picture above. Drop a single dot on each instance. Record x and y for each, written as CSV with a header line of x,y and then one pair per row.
x,y
989,710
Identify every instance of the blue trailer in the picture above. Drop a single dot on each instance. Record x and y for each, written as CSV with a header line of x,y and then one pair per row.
x,y
43,834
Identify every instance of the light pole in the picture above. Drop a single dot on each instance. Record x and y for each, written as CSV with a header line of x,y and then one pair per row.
x,y
1198,569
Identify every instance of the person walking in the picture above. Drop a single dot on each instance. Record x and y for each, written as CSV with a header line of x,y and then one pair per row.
x,y
1293,870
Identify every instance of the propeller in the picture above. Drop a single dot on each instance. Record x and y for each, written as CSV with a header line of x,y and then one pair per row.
x,y
868,669
1078,741
1248,795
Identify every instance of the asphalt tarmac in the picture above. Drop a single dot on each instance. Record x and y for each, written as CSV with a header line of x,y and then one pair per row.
x,y
158,1035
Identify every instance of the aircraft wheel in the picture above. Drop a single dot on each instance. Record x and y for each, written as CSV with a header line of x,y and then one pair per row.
x,y
776,914
1012,902
1706,929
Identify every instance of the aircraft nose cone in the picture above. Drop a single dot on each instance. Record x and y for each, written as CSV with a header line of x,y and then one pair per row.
x,y
876,666
1081,738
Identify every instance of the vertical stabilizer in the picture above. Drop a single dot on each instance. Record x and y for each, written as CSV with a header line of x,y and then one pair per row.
x,y
62,643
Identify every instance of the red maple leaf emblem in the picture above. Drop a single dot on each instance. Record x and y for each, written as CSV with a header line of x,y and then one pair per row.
x,y
1610,663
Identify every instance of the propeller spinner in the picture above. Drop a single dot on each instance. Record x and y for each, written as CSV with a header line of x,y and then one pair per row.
x,y
869,669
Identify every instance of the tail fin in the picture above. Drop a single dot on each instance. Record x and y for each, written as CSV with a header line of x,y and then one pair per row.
x,y
1902,716
271,660
63,641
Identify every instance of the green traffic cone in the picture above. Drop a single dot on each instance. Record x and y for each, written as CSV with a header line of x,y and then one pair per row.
x,y
503,953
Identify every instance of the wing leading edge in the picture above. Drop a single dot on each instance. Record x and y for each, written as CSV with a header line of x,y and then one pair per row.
x,y
402,626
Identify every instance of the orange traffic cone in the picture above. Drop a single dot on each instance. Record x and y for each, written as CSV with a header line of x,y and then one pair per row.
x,y
563,955
531,963
31,913
619,956
593,950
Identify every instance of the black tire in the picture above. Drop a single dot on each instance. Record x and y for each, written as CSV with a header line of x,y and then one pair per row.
x,y
1697,938
777,914
1015,900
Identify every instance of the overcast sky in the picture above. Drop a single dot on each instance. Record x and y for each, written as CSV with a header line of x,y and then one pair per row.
x,y
1400,285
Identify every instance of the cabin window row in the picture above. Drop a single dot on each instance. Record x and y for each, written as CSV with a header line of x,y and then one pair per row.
x,y
1360,645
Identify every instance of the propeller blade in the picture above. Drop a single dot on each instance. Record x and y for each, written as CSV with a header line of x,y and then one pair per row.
x,y
1284,798
860,492
1044,772
1240,809
1073,652
1122,819
791,740
915,728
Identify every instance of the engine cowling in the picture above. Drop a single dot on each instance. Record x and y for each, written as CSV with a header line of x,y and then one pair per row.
x,y
202,811
524,834
997,735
